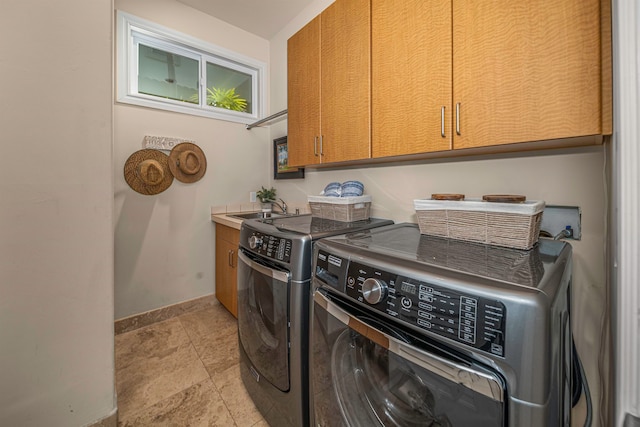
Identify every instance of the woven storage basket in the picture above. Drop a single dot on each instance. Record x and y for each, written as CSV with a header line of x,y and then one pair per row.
x,y
512,225
345,209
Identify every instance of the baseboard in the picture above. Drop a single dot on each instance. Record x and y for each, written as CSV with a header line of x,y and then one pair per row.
x,y
136,321
108,421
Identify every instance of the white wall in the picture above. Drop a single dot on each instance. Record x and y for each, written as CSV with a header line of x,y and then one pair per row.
x,y
626,269
164,243
568,177
56,213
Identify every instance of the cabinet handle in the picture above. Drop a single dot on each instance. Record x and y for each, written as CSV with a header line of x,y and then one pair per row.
x,y
315,145
231,258
458,118
442,122
321,148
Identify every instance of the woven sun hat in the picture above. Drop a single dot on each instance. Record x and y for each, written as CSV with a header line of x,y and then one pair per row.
x,y
187,162
147,171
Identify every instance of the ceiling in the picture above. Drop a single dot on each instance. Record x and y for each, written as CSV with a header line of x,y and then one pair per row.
x,y
263,18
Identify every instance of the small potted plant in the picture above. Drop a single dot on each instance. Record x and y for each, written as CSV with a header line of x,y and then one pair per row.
x,y
266,197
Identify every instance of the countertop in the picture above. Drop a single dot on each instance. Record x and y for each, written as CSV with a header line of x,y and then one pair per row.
x,y
221,214
227,219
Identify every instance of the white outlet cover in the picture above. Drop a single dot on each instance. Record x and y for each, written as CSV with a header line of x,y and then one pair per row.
x,y
557,218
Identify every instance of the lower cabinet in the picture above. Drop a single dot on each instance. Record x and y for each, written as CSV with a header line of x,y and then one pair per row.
x,y
227,241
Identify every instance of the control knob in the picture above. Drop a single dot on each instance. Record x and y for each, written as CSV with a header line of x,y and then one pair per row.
x,y
255,241
374,290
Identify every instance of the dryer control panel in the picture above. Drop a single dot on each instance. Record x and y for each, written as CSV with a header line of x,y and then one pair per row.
x,y
270,246
463,317
469,319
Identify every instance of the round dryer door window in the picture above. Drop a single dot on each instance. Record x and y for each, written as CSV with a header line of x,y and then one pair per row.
x,y
367,372
389,391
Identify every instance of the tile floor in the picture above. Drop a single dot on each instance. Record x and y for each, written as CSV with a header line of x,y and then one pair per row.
x,y
183,371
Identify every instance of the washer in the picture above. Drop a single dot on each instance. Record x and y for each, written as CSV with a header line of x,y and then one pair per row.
x,y
414,330
274,303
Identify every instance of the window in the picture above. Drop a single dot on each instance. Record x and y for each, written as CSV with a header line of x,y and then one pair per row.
x,y
161,68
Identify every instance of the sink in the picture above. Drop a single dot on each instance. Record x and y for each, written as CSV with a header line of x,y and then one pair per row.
x,y
257,215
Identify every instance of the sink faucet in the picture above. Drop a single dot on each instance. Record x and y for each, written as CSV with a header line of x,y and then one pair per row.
x,y
283,206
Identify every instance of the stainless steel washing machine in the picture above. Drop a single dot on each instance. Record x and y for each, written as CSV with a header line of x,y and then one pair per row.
x,y
413,330
274,304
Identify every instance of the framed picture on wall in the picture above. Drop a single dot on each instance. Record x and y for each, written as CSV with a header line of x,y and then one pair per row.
x,y
281,169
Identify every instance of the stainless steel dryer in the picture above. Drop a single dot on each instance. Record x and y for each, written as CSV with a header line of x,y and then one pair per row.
x,y
274,302
413,330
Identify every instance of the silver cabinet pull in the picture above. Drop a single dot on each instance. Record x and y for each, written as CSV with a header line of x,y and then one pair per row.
x,y
230,254
458,118
321,147
315,145
442,121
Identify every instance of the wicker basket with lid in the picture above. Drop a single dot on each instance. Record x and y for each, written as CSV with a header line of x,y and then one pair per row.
x,y
512,225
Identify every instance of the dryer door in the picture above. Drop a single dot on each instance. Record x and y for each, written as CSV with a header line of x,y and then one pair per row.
x,y
263,325
381,376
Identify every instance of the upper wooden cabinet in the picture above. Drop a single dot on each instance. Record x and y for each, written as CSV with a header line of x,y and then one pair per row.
x,y
411,77
530,70
303,95
447,76
329,98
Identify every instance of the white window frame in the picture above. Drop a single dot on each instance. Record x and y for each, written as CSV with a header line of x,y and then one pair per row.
x,y
131,29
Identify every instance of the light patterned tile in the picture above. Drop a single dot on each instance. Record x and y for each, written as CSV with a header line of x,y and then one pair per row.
x,y
220,353
161,373
138,345
214,334
215,320
153,363
235,396
197,406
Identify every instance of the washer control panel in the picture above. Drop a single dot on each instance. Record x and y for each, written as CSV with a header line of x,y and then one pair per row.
x,y
466,318
277,248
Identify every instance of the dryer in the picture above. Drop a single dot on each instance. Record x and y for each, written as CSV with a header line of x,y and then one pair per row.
x,y
411,330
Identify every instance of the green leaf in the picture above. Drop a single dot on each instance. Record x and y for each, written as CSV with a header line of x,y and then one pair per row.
x,y
226,98
265,195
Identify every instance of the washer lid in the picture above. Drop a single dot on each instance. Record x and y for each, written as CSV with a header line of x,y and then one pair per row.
x,y
318,228
522,267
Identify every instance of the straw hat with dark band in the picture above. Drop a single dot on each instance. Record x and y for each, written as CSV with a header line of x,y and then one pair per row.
x,y
147,171
187,162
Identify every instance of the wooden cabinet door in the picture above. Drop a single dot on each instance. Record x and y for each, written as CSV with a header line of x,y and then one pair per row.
x,y
303,95
526,70
411,77
345,95
227,241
